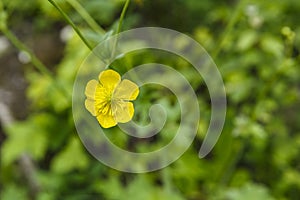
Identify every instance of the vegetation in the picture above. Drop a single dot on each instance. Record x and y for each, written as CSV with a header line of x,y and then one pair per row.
x,y
255,45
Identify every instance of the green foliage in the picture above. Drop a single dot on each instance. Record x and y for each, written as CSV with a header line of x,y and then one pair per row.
x,y
136,190
27,137
247,192
13,192
256,47
72,157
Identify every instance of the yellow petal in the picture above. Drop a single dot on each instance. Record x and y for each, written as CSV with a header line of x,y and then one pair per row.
x,y
106,121
90,89
126,90
123,111
109,79
90,106
101,94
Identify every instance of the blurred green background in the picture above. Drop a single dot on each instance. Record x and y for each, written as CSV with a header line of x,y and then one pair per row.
x,y
255,45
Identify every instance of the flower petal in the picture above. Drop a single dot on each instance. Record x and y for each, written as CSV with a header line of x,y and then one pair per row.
x,y
106,121
101,94
109,79
126,90
90,106
123,111
90,89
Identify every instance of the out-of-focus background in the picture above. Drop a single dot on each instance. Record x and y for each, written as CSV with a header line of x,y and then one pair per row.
x,y
255,45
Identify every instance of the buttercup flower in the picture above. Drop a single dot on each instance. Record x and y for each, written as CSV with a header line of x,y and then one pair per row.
x,y
109,99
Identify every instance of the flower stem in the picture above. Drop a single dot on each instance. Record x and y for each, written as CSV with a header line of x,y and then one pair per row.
x,y
234,152
119,27
122,16
34,60
86,16
229,27
69,21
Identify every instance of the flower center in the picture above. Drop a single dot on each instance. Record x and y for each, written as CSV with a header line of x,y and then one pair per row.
x,y
103,103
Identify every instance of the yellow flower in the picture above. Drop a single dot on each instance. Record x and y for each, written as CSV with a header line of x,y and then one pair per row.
x,y
109,99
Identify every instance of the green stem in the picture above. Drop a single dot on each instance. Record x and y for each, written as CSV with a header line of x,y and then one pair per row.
x,y
167,179
122,16
230,164
35,61
86,16
233,153
119,27
229,28
69,21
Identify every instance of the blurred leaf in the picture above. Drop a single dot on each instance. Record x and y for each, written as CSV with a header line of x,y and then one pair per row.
x,y
244,127
248,192
272,45
72,157
25,137
45,196
140,188
50,11
239,86
111,188
108,9
13,192
246,40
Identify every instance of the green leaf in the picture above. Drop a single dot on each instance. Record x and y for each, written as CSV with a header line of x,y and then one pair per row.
x,y
246,40
272,45
248,191
111,188
24,137
13,192
72,157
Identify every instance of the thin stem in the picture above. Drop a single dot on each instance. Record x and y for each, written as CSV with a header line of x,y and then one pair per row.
x,y
86,16
233,153
119,27
122,16
69,21
167,179
229,28
35,61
